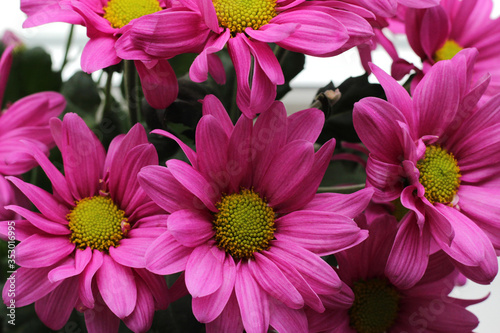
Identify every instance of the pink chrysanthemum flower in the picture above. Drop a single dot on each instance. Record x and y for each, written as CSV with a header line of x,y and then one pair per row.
x,y
380,306
318,28
86,247
26,119
436,153
440,32
246,224
106,20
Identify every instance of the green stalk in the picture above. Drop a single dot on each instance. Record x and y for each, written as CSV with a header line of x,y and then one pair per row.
x,y
107,92
68,45
132,92
341,188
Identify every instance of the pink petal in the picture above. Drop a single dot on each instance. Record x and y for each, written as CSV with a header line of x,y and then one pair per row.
x,y
44,201
27,285
350,205
157,287
117,286
131,252
190,228
159,83
190,154
166,255
305,125
141,319
83,157
229,320
204,270
100,319
99,53
287,320
409,255
322,233
40,221
211,146
274,282
200,67
165,190
272,33
206,309
85,282
42,251
194,182
213,106
239,155
55,308
252,300
435,30
74,267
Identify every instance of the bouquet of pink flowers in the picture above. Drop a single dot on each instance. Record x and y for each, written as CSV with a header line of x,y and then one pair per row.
x,y
187,199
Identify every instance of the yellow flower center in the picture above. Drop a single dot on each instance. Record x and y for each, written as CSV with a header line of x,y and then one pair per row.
x,y
236,15
447,51
439,174
244,224
97,223
375,307
120,12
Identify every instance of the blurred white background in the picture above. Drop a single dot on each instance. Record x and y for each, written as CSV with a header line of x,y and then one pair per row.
x,y
317,73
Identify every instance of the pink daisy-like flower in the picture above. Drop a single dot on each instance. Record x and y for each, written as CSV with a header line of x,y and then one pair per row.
x,y
106,20
246,224
26,119
436,153
379,306
440,32
318,28
86,247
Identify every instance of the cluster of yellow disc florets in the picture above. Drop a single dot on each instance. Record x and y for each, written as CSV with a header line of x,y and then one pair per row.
x,y
439,174
96,222
237,15
120,12
447,51
244,224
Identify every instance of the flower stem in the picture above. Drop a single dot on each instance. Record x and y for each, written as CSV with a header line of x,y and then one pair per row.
x,y
107,92
132,92
341,188
68,45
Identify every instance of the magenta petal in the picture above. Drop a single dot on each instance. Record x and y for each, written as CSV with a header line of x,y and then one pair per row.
x,y
40,221
42,251
320,232
190,228
55,308
29,285
287,320
274,282
320,276
206,309
44,201
204,270
117,286
166,255
213,106
159,83
194,182
85,281
99,53
350,205
296,158
211,146
191,155
239,155
74,266
229,320
200,67
272,33
5,65
141,319
165,190
83,157
470,246
310,297
409,255
435,30
101,320
386,142
305,125
131,252
252,300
